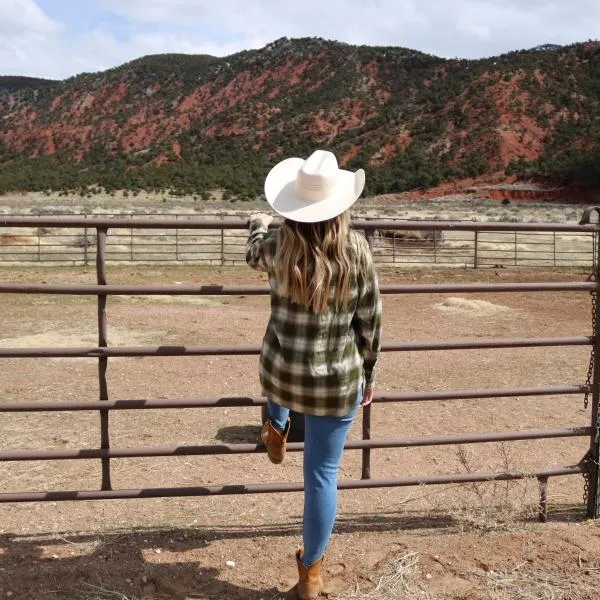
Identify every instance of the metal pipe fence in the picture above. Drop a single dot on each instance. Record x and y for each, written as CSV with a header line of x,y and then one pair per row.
x,y
219,242
588,466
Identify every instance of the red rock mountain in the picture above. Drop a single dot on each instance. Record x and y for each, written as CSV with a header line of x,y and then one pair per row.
x,y
196,122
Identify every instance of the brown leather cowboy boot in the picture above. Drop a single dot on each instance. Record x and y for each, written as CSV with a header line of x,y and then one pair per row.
x,y
310,583
275,440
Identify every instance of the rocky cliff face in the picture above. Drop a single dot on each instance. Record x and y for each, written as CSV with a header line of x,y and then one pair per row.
x,y
195,122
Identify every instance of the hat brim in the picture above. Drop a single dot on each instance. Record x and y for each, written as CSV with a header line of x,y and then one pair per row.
x,y
280,191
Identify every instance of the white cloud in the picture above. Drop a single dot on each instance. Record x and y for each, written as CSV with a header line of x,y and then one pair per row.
x,y
33,43
17,16
467,28
97,50
472,28
24,31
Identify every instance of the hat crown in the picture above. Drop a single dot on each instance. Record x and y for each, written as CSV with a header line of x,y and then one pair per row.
x,y
314,189
317,176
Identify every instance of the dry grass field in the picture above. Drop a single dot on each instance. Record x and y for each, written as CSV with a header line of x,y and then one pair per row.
x,y
212,247
479,541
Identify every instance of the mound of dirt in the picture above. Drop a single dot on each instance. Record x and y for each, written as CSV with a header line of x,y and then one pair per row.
x,y
471,307
118,336
207,301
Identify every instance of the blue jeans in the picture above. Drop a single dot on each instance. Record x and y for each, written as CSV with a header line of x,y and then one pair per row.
x,y
324,439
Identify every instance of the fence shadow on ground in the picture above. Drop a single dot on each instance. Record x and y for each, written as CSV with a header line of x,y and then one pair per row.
x,y
150,563
238,434
126,565
116,569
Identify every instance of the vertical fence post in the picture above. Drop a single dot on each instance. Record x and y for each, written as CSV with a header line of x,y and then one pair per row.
x,y
554,248
593,499
543,505
177,241
366,435
371,239
86,241
39,245
476,250
222,246
103,360
515,248
436,232
366,411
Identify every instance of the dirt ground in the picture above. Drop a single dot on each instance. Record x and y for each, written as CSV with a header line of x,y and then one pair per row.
x,y
473,541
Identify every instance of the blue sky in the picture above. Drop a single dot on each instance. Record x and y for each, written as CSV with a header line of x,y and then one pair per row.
x,y
82,16
60,38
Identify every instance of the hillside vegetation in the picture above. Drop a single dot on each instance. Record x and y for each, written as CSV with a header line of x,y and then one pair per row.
x,y
194,123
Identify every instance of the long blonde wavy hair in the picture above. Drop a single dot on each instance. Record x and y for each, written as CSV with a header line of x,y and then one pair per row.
x,y
312,261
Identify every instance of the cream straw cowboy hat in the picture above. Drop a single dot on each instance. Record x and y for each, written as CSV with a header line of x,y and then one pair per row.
x,y
312,190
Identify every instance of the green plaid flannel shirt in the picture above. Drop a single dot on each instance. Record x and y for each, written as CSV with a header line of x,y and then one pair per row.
x,y
316,363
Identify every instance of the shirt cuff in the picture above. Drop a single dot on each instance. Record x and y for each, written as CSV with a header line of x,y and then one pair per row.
x,y
369,368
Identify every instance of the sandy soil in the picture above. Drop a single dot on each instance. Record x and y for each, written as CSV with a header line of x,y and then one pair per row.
x,y
454,206
470,542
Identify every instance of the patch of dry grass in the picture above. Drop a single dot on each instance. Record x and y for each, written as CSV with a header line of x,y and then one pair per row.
x,y
95,592
402,579
517,585
493,505
398,580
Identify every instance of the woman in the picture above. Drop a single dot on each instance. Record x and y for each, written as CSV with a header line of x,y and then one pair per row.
x,y
323,337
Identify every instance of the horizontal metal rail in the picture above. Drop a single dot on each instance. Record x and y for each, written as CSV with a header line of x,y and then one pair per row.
x,y
262,290
219,449
269,488
421,346
245,401
145,223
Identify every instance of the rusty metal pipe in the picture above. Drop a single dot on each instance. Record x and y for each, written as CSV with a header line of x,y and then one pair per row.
x,y
543,504
102,233
268,488
366,433
593,457
367,225
220,449
480,394
245,401
418,346
232,290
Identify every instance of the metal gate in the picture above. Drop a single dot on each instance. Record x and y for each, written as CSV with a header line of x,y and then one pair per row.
x,y
588,466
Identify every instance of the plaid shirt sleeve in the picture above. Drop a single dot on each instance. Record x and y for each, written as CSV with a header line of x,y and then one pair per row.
x,y
261,245
367,318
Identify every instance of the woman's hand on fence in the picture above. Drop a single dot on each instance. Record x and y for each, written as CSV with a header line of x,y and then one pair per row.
x,y
266,219
367,397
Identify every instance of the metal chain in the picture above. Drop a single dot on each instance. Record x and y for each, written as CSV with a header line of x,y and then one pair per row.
x,y
586,477
589,461
590,372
